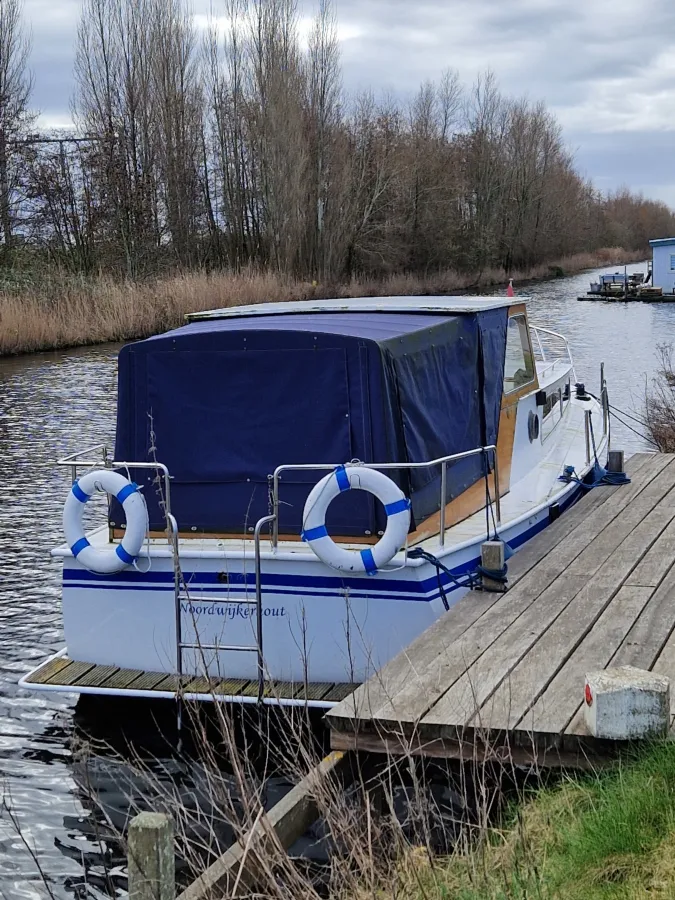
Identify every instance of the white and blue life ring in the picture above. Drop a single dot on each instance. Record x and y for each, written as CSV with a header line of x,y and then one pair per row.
x,y
108,560
396,506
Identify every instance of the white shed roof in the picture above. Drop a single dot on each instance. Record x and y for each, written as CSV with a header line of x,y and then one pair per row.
x,y
446,305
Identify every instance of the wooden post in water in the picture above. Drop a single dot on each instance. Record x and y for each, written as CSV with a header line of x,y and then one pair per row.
x,y
152,874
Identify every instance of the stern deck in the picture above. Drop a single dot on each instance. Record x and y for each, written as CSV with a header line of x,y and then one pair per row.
x,y
60,673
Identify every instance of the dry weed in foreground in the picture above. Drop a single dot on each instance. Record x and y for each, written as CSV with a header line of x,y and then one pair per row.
x,y
380,832
70,311
658,418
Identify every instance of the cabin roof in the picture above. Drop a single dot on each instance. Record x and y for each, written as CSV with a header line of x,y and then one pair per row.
x,y
663,242
380,327
446,305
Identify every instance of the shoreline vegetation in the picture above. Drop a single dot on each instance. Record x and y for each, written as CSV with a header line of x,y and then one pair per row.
x,y
225,162
605,836
65,310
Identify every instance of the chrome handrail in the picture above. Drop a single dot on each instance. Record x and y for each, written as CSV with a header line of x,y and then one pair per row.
x,y
258,602
555,334
74,462
604,397
442,461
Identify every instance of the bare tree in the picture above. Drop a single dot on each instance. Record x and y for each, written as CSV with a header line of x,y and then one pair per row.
x,y
177,105
324,124
114,103
249,154
15,90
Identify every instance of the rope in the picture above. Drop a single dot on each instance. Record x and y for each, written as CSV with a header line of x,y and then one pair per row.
x,y
615,411
469,580
599,474
643,437
499,575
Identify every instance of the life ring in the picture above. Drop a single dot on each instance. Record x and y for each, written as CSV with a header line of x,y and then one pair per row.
x,y
97,559
396,505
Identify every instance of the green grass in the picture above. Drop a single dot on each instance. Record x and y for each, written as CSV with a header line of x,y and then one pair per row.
x,y
606,837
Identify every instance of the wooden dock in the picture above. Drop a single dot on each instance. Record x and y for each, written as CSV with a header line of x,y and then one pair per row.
x,y
502,675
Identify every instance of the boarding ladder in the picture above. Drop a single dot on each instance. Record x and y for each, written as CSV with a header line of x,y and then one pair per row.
x,y
181,595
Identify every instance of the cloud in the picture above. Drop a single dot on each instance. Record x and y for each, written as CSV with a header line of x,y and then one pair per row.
x,y
606,68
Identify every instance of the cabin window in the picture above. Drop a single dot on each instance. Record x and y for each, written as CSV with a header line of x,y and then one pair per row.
x,y
672,262
519,361
549,406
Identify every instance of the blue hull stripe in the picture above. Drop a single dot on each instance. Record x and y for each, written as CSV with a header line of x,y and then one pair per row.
x,y
425,590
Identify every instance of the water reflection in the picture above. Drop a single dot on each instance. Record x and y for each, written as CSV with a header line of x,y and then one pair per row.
x,y
52,404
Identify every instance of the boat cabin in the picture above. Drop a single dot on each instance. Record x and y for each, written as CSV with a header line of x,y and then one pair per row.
x,y
228,397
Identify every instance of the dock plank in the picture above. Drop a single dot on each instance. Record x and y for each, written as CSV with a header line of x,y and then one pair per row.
x,y
646,639
596,588
655,564
340,691
644,642
641,468
648,502
665,662
375,694
459,704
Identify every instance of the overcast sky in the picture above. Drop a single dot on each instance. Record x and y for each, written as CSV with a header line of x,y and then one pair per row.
x,y
605,67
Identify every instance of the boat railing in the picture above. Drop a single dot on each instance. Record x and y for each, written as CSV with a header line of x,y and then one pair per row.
x,y
550,348
489,451
81,460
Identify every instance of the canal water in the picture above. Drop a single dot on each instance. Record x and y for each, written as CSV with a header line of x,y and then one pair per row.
x,y
54,403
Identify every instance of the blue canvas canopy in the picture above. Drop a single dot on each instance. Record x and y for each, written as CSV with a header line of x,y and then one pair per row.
x,y
223,402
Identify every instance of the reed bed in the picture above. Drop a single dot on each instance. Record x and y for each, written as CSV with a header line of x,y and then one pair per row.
x,y
68,311
658,414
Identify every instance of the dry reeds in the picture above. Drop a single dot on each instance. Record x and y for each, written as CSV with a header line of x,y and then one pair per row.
x,y
658,418
68,312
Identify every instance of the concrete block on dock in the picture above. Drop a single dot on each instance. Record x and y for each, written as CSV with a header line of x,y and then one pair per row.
x,y
625,703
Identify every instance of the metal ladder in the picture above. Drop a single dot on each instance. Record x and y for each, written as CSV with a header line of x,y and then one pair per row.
x,y
182,595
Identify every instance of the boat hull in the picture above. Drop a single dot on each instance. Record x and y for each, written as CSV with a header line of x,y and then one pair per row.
x,y
317,625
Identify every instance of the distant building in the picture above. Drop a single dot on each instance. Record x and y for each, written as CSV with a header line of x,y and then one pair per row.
x,y
664,264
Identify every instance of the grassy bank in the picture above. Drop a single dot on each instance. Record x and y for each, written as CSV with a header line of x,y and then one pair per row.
x,y
606,837
63,311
